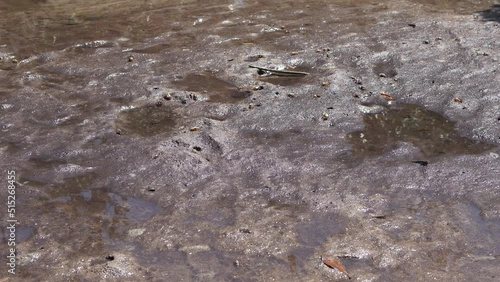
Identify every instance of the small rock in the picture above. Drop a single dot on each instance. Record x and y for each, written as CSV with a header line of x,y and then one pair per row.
x,y
136,232
110,257
426,42
458,100
194,128
131,58
167,96
325,83
251,106
382,74
412,25
324,116
291,95
5,106
159,103
256,88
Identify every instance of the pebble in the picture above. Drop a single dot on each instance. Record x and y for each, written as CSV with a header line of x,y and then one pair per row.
x,y
167,96
324,116
291,95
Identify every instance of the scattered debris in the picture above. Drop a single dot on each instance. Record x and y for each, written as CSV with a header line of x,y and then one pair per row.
x,y
334,262
279,72
387,96
422,163
356,80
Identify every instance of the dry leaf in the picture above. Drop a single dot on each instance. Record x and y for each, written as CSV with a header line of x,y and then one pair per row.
x,y
334,262
387,96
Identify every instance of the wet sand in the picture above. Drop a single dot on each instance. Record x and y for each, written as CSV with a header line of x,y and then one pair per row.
x,y
146,149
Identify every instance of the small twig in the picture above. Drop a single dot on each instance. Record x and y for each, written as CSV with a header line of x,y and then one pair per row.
x,y
280,71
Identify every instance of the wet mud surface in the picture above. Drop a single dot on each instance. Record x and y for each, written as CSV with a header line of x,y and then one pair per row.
x,y
146,148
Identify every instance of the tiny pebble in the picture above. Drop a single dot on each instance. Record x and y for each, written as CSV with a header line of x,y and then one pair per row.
x,y
324,116
167,96
382,74
194,128
130,58
291,95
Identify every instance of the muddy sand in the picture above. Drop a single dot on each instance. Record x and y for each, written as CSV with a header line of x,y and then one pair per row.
x,y
146,149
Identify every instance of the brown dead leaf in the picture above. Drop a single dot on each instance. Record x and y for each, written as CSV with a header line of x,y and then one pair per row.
x,y
334,262
387,96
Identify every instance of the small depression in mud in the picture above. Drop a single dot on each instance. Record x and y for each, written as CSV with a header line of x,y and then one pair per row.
x,y
429,131
146,121
218,90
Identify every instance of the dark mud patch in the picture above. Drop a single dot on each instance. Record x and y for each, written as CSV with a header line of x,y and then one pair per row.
x,y
429,131
218,90
146,121
492,14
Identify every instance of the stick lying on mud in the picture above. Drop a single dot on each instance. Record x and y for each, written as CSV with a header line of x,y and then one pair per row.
x,y
278,72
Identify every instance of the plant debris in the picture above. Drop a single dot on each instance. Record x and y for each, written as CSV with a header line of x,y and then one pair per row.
x,y
279,72
387,96
334,262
